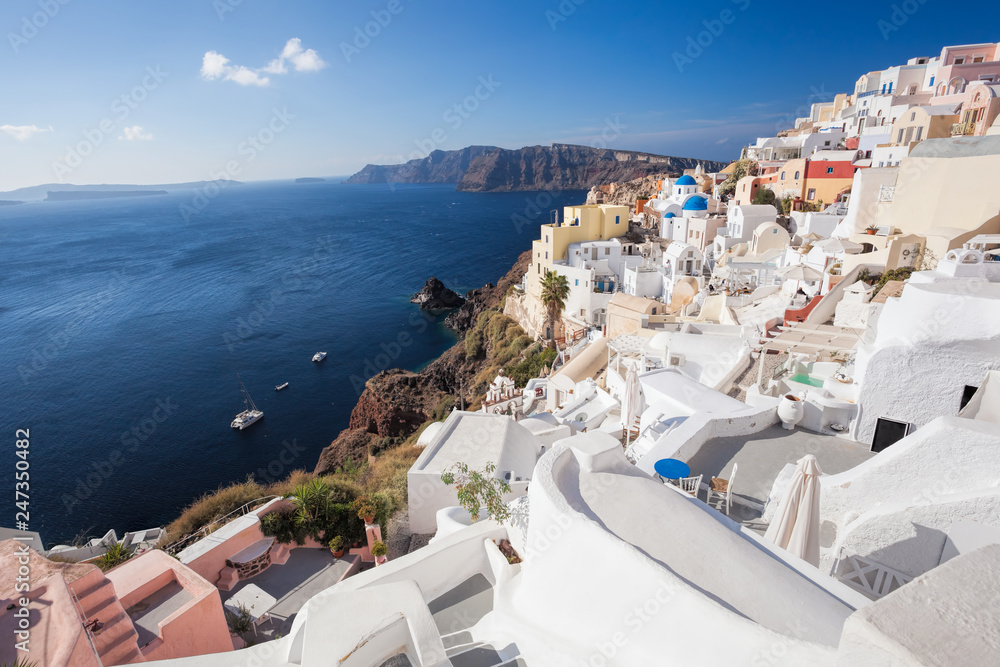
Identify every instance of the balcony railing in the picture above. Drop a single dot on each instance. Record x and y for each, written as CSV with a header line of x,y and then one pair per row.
x,y
963,129
886,192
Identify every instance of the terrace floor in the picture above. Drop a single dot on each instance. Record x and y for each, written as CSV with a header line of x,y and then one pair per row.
x,y
147,614
306,573
761,456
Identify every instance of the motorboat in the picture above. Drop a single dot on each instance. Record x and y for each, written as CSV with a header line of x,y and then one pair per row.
x,y
319,356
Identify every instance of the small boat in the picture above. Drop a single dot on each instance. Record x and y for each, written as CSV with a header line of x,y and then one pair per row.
x,y
319,356
283,385
250,412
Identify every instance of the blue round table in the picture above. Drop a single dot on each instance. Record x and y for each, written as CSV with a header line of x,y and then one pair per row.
x,y
672,468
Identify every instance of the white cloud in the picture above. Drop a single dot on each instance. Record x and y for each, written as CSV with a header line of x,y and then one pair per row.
x,y
23,132
214,65
135,133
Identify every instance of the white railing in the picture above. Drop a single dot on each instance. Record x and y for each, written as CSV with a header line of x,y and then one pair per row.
x,y
867,576
175,547
886,192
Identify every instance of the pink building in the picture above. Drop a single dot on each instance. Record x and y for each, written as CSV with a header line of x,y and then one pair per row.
x,y
149,608
963,65
980,107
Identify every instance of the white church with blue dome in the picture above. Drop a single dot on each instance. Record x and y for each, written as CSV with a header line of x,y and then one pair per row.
x,y
676,204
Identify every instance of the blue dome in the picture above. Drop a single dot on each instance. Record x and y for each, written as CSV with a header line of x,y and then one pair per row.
x,y
686,180
670,214
696,203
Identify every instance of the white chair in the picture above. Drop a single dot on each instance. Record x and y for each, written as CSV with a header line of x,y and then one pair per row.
x,y
690,485
722,490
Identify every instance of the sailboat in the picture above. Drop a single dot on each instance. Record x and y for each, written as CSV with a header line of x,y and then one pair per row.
x,y
250,412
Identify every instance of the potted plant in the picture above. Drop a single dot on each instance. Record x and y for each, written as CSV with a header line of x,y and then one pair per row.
x,y
379,550
366,508
871,229
337,546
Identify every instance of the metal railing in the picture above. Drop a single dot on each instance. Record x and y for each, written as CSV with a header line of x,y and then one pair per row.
x,y
175,547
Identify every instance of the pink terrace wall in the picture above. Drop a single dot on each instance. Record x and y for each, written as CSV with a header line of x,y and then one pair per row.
x,y
197,628
211,563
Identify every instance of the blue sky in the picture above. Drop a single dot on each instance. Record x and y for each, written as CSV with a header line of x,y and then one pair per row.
x,y
553,72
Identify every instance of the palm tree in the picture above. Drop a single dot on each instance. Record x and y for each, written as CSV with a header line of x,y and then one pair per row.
x,y
313,506
555,289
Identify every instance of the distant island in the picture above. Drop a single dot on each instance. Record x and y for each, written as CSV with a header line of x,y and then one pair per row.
x,y
43,192
69,195
310,180
559,166
6,202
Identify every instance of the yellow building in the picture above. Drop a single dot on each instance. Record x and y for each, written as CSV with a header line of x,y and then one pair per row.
x,y
592,222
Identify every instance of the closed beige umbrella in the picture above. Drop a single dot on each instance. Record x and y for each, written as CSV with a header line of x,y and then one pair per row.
x,y
795,527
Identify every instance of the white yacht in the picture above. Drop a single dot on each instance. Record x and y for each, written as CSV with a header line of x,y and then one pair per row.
x,y
250,412
319,356
283,385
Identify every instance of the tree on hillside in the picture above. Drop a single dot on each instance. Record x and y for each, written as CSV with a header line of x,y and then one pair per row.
x,y
555,289
741,168
764,196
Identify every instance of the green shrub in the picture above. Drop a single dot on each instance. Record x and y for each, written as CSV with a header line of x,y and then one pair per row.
x,y
281,525
474,344
116,554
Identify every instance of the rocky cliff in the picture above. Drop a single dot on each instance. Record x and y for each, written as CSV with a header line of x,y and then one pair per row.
x,y
395,403
555,167
437,167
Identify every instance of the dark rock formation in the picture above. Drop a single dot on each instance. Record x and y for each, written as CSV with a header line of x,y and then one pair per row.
x,y
395,403
559,167
437,167
435,296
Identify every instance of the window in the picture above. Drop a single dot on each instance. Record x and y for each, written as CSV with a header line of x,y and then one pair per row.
x,y
883,89
960,60
890,86
654,311
546,254
829,170
827,143
618,219
913,116
812,194
881,164
577,283
899,136
920,132
931,84
607,251
782,175
797,175
977,59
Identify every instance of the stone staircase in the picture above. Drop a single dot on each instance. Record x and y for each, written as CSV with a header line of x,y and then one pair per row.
x,y
116,643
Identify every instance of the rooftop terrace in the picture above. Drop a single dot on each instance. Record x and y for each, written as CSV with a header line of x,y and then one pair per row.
x,y
306,573
761,456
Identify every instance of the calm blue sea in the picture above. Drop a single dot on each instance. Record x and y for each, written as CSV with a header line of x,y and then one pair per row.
x,y
123,326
